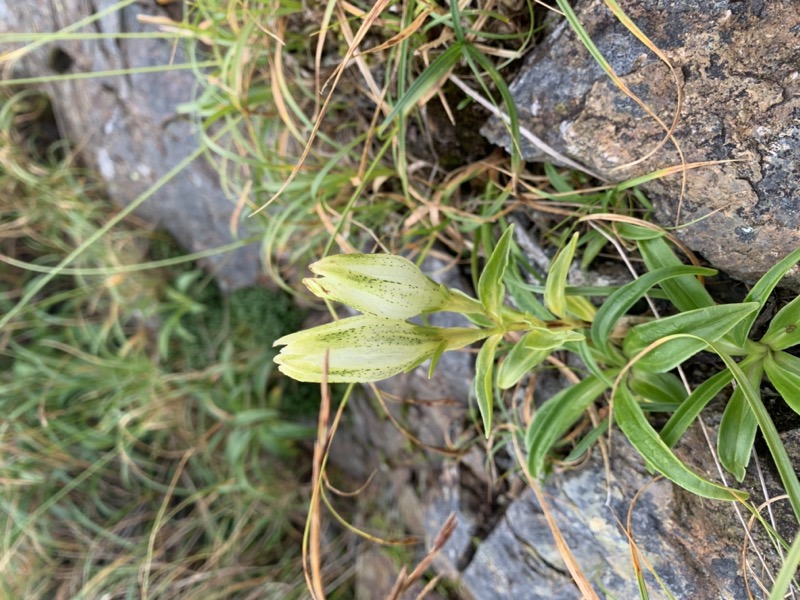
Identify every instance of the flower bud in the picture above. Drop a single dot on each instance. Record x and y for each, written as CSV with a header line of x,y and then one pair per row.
x,y
365,348
382,285
360,349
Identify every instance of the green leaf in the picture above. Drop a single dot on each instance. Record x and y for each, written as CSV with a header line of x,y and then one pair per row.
x,y
737,429
771,436
709,323
686,293
659,388
760,293
687,412
595,243
555,287
586,441
631,420
783,371
531,350
555,417
491,290
784,329
522,296
629,231
484,382
518,363
481,66
581,307
787,573
621,301
422,86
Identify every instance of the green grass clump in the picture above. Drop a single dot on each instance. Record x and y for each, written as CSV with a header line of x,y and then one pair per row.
x,y
145,447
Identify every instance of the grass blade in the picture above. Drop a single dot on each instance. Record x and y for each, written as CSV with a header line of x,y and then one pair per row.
x,y
429,81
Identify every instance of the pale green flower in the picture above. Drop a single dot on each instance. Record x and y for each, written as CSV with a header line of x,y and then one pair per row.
x,y
382,285
366,348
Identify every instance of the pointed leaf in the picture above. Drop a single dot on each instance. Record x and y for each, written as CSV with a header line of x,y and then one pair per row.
x,y
659,388
555,417
760,294
556,284
687,412
581,307
531,350
784,329
771,436
737,429
631,420
783,371
686,293
491,290
518,363
427,82
621,301
629,231
709,323
484,381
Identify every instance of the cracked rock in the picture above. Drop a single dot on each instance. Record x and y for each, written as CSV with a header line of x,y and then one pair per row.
x,y
738,66
127,127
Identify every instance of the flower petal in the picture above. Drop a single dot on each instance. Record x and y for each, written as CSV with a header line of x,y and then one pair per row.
x,y
377,284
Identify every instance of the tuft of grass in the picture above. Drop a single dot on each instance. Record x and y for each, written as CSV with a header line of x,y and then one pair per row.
x,y
146,450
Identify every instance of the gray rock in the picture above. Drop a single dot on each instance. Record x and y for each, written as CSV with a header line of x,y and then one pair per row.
x,y
695,558
127,127
739,68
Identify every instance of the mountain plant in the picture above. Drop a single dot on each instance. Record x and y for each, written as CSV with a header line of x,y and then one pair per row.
x,y
631,359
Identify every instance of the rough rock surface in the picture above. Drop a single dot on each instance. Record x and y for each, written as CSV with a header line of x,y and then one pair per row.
x,y
503,548
127,127
738,64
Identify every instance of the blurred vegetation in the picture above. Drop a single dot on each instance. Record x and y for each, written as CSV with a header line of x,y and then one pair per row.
x,y
146,449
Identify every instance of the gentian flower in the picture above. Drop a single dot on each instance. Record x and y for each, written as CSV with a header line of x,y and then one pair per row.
x,y
383,285
366,348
